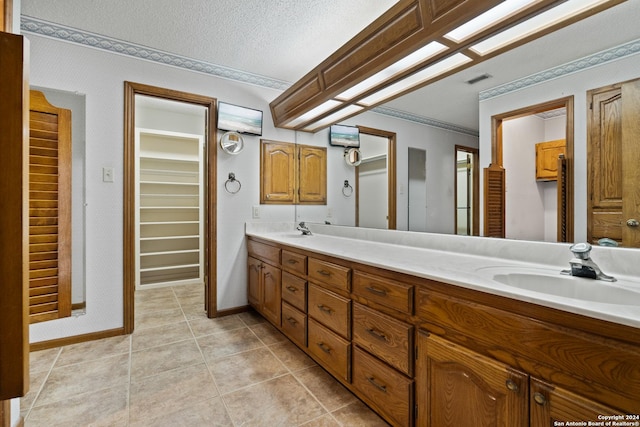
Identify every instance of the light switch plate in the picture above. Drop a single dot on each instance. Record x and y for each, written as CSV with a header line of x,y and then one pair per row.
x,y
255,212
107,174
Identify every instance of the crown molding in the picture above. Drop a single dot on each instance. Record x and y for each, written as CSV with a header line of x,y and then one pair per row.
x,y
73,35
590,61
398,114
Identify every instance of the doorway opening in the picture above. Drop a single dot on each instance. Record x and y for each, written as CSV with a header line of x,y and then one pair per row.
x,y
467,192
169,226
417,190
376,176
499,201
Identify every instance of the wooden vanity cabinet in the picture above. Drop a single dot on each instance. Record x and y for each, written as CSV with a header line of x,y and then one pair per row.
x,y
265,280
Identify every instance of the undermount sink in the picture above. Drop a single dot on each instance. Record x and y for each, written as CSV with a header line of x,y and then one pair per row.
x,y
553,283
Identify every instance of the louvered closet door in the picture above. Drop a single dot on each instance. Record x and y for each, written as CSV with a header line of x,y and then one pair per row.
x,y
49,210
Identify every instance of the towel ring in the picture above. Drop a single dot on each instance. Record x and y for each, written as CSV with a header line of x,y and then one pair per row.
x,y
347,190
232,179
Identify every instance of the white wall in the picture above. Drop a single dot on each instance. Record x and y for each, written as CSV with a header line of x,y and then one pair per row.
x,y
576,85
100,75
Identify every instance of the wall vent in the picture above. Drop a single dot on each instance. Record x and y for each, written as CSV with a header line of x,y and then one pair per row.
x,y
479,78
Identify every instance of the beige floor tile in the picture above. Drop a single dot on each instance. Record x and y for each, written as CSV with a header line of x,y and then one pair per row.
x,y
324,421
358,414
158,318
152,361
171,391
160,335
192,299
36,381
148,305
187,290
43,360
68,381
251,318
226,343
279,402
206,326
210,413
292,357
153,293
107,407
194,311
268,334
325,388
244,369
92,350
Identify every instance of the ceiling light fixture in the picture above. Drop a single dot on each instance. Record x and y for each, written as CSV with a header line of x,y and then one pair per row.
x,y
415,43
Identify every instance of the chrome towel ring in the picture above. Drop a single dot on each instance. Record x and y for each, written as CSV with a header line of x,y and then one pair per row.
x,y
231,183
347,190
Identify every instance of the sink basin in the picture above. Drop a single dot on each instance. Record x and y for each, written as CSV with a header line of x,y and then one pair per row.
x,y
553,283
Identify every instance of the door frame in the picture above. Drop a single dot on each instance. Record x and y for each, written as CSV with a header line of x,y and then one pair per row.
x,y
496,152
391,175
130,91
475,202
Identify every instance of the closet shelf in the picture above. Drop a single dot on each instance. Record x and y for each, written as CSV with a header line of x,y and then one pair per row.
x,y
191,184
168,172
170,158
169,207
168,195
168,222
185,251
182,236
168,267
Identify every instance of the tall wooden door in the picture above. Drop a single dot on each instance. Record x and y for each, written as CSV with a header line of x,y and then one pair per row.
x,y
49,210
613,156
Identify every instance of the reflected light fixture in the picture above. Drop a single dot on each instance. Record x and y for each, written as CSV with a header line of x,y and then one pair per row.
x,y
413,44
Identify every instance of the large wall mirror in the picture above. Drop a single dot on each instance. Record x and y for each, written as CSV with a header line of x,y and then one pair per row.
x,y
75,102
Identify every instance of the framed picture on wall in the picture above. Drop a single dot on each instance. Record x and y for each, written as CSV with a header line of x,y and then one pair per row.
x,y
239,119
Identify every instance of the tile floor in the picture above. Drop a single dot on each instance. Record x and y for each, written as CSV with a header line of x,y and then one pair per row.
x,y
181,369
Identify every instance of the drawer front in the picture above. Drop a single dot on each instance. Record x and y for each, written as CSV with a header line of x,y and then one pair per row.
x,y
333,350
385,337
294,324
294,262
330,274
264,252
330,309
390,293
294,291
389,391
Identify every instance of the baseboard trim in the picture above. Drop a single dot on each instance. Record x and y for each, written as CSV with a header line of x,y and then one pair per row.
x,y
59,342
234,310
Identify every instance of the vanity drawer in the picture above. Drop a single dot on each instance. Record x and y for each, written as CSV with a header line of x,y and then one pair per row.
x,y
330,309
294,291
329,273
293,262
294,324
390,293
264,252
388,390
332,350
385,337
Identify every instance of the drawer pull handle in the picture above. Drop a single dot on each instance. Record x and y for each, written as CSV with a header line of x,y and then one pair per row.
x,y
377,291
324,308
292,261
539,398
292,288
511,385
379,335
324,347
293,321
382,388
267,274
324,272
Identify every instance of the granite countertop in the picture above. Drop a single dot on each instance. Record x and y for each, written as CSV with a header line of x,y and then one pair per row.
x,y
444,259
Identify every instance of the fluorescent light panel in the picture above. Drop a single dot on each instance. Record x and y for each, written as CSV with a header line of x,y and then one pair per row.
x,y
487,19
315,112
405,63
333,118
535,24
417,78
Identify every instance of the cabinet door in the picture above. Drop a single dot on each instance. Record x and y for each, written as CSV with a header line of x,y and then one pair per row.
x,y
312,175
457,387
547,159
271,283
550,404
277,172
254,291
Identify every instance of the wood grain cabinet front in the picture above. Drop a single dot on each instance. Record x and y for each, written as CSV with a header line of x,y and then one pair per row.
x,y
330,309
294,291
333,350
388,292
294,324
383,336
387,390
294,262
330,274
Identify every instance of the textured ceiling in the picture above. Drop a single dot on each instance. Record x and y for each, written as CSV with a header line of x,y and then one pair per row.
x,y
285,39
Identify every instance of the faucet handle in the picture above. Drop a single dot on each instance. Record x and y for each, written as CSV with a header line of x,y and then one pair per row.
x,y
581,250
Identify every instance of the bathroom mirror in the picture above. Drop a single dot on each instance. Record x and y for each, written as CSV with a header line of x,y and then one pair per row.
x,y
353,157
75,102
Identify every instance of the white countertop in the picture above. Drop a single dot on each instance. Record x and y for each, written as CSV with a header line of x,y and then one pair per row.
x,y
469,262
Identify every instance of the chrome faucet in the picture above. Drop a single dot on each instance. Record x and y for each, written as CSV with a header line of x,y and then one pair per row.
x,y
583,266
303,227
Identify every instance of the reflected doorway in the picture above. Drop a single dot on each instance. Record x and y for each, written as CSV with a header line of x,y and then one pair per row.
x,y
417,189
466,189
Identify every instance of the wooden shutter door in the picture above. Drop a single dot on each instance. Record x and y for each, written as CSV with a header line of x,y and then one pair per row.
x,y
494,190
49,210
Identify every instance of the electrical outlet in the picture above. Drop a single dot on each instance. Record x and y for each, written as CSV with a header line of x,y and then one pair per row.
x,y
107,174
255,212
329,212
